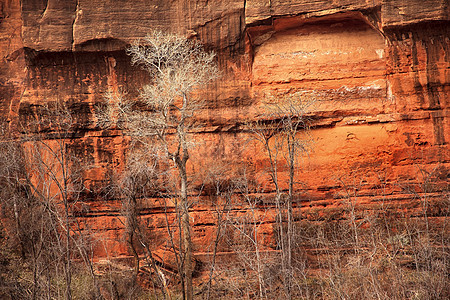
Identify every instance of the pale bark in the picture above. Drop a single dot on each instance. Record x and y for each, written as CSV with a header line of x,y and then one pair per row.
x,y
178,67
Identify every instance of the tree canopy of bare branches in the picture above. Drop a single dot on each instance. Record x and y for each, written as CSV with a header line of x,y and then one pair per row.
x,y
164,113
283,132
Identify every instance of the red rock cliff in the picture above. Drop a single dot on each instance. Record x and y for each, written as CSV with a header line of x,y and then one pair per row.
x,y
379,70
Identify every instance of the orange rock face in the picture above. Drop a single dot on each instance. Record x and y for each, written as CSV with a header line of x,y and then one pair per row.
x,y
378,71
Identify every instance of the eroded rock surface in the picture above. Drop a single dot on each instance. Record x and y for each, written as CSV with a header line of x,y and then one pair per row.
x,y
378,70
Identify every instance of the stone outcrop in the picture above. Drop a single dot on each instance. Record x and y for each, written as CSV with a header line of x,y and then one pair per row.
x,y
378,70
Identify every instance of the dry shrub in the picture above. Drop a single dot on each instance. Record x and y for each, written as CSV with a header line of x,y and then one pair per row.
x,y
393,258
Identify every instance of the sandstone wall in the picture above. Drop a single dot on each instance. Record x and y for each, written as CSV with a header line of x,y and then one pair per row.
x,y
379,71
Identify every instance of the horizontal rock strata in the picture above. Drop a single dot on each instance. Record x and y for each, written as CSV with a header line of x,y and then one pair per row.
x,y
379,73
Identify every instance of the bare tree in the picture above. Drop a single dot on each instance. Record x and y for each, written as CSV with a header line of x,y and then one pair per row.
x,y
220,192
244,228
44,177
21,219
135,182
165,113
283,132
248,228
52,175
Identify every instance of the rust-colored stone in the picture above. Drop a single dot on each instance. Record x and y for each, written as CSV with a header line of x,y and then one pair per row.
x,y
379,71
